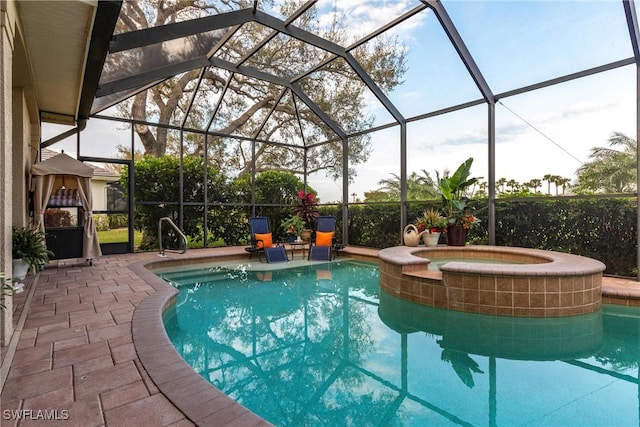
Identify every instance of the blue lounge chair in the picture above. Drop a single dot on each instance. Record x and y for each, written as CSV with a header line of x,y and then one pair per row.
x,y
324,244
262,241
259,228
276,254
320,253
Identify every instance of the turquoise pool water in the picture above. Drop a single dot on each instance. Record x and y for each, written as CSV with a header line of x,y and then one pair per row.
x,y
320,346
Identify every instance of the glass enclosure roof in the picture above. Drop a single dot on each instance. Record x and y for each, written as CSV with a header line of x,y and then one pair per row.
x,y
274,71
537,41
301,73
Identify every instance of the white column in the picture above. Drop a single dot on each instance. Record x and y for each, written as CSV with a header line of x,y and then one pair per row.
x,y
7,27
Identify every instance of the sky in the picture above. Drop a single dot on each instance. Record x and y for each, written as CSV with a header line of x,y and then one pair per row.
x,y
549,131
514,44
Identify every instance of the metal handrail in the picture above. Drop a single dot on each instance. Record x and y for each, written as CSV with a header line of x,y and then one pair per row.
x,y
180,233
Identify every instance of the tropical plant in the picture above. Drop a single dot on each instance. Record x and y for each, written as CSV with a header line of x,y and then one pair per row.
x,y
453,191
5,289
29,245
610,169
307,208
500,184
8,287
534,184
431,220
292,225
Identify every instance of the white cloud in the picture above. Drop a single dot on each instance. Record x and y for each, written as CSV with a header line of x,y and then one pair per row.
x,y
365,16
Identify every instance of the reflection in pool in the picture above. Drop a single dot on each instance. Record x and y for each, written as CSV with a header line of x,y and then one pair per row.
x,y
319,345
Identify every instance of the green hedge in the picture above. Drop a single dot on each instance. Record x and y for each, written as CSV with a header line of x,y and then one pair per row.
x,y
604,229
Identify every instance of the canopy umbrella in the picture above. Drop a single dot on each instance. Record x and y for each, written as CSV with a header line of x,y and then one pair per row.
x,y
65,172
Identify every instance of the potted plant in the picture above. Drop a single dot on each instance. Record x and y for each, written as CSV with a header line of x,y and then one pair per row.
x,y
307,210
453,191
7,288
432,223
28,250
293,226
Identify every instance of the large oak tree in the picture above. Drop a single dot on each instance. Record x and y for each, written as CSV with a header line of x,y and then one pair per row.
x,y
334,87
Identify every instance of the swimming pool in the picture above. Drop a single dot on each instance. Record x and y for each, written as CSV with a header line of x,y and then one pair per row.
x,y
320,345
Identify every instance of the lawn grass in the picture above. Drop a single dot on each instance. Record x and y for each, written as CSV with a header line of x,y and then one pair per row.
x,y
119,235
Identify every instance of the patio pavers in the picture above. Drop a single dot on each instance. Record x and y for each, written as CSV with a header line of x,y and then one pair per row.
x,y
75,356
75,353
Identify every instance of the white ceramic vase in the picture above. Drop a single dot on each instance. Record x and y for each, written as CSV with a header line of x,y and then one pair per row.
x,y
430,239
20,269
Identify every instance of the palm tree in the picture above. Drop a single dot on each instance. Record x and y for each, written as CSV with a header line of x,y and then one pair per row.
x,y
556,179
425,186
548,177
611,169
391,186
563,182
482,189
534,184
500,184
419,187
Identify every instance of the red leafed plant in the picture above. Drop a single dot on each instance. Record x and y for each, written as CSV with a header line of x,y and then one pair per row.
x,y
307,208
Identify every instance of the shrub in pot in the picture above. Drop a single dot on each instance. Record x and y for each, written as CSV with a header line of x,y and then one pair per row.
x,y
28,248
293,226
453,192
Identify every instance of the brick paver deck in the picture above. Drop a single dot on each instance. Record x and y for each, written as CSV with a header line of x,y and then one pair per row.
x,y
73,361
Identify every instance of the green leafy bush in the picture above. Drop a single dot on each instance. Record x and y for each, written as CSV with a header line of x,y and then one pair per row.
x,y
101,221
603,229
28,245
118,220
600,228
157,193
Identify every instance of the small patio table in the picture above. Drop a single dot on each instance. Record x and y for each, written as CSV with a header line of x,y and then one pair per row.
x,y
298,245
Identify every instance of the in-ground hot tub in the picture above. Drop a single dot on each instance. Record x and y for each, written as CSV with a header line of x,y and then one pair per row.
x,y
501,280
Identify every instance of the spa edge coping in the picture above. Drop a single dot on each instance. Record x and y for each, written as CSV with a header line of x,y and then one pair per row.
x,y
199,400
549,263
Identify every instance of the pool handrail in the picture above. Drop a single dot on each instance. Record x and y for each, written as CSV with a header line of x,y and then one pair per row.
x,y
177,230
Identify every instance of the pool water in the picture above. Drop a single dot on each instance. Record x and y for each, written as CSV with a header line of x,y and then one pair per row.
x,y
319,346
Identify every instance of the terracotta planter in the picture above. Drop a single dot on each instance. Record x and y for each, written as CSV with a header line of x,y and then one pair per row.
x,y
306,234
456,235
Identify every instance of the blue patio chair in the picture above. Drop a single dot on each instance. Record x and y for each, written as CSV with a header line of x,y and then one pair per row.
x,y
276,254
320,253
259,226
262,240
323,245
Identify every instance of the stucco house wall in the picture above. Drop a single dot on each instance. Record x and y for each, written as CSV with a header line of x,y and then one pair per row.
x,y
19,136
